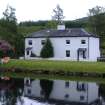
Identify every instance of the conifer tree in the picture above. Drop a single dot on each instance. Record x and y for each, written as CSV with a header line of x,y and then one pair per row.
x,y
47,50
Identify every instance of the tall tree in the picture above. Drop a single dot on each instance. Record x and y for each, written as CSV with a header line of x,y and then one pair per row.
x,y
9,14
58,14
97,20
9,32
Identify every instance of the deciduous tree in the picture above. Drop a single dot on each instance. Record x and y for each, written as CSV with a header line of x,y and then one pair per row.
x,y
58,14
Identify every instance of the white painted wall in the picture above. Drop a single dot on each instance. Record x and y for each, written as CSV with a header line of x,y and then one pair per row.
x,y
34,87
92,92
94,48
59,91
60,47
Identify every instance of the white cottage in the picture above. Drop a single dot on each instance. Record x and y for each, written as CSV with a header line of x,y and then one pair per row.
x,y
68,91
69,44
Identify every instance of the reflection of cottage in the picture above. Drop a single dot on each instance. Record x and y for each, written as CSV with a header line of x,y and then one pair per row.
x,y
69,91
68,44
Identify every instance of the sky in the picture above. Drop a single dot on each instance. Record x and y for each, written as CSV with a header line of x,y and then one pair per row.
x,y
35,10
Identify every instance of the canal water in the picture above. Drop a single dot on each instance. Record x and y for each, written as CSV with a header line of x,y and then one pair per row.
x,y
27,91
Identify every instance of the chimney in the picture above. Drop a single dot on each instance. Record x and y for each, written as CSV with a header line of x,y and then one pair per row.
x,y
61,27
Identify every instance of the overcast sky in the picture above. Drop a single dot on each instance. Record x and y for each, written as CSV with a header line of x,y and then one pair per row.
x,y
43,9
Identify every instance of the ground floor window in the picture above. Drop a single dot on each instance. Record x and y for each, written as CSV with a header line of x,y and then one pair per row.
x,y
67,53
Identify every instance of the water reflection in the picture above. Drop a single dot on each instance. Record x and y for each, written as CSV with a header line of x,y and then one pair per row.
x,y
11,90
64,91
50,92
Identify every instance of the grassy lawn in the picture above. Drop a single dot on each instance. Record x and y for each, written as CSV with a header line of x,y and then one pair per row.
x,y
97,67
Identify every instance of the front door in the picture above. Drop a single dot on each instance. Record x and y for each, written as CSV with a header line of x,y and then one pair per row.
x,y
81,55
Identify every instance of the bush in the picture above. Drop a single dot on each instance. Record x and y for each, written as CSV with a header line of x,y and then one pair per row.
x,y
10,53
47,50
1,54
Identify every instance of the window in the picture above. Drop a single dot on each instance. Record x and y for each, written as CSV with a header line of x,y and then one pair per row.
x,y
67,41
29,91
81,98
43,42
81,86
67,96
83,41
28,83
66,84
30,42
27,52
67,53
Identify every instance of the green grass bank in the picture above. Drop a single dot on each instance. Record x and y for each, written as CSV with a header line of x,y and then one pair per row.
x,y
96,67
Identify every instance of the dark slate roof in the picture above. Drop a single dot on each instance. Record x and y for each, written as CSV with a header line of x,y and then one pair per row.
x,y
73,32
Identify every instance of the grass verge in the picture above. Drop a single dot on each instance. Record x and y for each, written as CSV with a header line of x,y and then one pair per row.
x,y
94,67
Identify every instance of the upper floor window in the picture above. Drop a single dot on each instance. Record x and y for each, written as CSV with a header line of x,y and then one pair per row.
x,y
43,42
30,42
67,41
67,53
83,41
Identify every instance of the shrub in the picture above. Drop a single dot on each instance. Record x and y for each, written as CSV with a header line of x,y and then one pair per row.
x,y
10,53
47,50
1,54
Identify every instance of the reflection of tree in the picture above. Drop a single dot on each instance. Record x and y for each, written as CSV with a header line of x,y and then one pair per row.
x,y
11,91
102,90
46,86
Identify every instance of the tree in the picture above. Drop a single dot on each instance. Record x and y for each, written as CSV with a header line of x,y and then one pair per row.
x,y
9,14
97,20
51,24
46,86
58,14
47,50
9,31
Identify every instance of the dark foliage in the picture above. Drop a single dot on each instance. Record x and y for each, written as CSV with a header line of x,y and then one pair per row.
x,y
8,53
75,24
47,50
33,23
46,86
1,54
9,32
